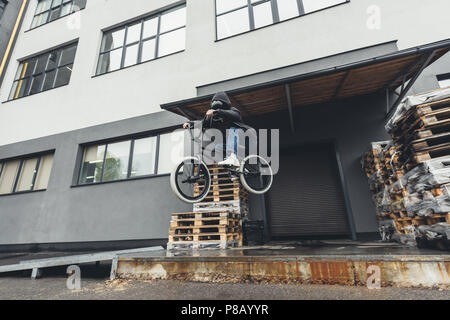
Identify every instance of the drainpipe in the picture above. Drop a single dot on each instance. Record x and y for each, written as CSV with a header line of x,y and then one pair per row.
x,y
12,40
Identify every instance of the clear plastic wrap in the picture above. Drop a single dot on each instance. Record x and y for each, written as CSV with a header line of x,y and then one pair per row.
x,y
426,176
412,101
427,206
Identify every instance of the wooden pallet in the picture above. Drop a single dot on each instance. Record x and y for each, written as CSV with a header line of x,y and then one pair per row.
x,y
429,153
210,214
189,245
397,195
401,224
429,142
220,221
438,218
206,237
237,206
417,120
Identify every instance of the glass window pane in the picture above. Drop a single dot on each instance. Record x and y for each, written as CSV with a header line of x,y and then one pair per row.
x,y
19,71
78,5
55,14
43,5
36,84
63,75
131,55
313,5
109,61
41,64
227,5
150,28
116,162
148,50
21,88
43,175
25,182
113,39
263,14
287,9
68,55
171,151
172,42
173,20
40,19
91,168
53,60
144,157
49,79
233,23
56,3
134,33
66,9
13,90
8,176
28,68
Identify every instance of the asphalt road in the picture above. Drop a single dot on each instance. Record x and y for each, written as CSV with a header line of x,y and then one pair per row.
x,y
94,285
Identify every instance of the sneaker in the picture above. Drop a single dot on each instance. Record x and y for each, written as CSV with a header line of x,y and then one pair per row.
x,y
231,160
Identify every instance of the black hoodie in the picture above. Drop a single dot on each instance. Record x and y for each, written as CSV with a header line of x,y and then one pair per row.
x,y
230,115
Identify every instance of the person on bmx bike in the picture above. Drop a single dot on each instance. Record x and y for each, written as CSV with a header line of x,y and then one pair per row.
x,y
229,122
190,180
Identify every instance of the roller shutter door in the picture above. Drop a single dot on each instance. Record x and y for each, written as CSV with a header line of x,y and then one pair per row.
x,y
306,199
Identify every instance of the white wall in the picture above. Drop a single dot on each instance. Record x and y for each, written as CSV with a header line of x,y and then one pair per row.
x,y
139,90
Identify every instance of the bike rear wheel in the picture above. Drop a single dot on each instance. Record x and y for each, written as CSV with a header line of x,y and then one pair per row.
x,y
190,180
256,174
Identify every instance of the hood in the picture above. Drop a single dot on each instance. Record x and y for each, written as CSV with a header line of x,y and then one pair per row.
x,y
223,97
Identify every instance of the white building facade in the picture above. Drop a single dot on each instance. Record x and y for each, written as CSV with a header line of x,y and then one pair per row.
x,y
95,73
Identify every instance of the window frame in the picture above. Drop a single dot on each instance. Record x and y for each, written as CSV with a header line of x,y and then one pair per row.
x,y
17,177
72,11
132,140
124,45
44,72
443,77
275,14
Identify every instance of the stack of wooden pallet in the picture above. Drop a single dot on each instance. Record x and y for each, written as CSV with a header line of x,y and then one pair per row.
x,y
216,222
423,133
378,168
413,170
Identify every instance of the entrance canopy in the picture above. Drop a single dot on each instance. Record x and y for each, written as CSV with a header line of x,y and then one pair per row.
x,y
384,73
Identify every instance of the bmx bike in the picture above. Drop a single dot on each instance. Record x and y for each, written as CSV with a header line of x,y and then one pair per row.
x,y
190,180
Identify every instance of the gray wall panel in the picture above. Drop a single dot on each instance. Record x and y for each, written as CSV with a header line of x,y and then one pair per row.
x,y
129,210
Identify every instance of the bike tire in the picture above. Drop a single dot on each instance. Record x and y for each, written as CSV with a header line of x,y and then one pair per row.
x,y
177,191
244,181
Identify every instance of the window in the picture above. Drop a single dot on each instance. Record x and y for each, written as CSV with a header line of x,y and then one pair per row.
x,y
46,71
49,10
3,4
147,39
27,174
238,16
171,151
444,80
133,158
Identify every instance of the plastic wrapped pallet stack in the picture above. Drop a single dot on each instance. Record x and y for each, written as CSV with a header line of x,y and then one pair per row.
x,y
415,168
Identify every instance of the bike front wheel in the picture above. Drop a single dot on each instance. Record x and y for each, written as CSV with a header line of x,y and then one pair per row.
x,y
256,174
190,180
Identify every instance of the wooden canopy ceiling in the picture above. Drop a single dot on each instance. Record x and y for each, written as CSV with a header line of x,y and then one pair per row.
x,y
324,86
